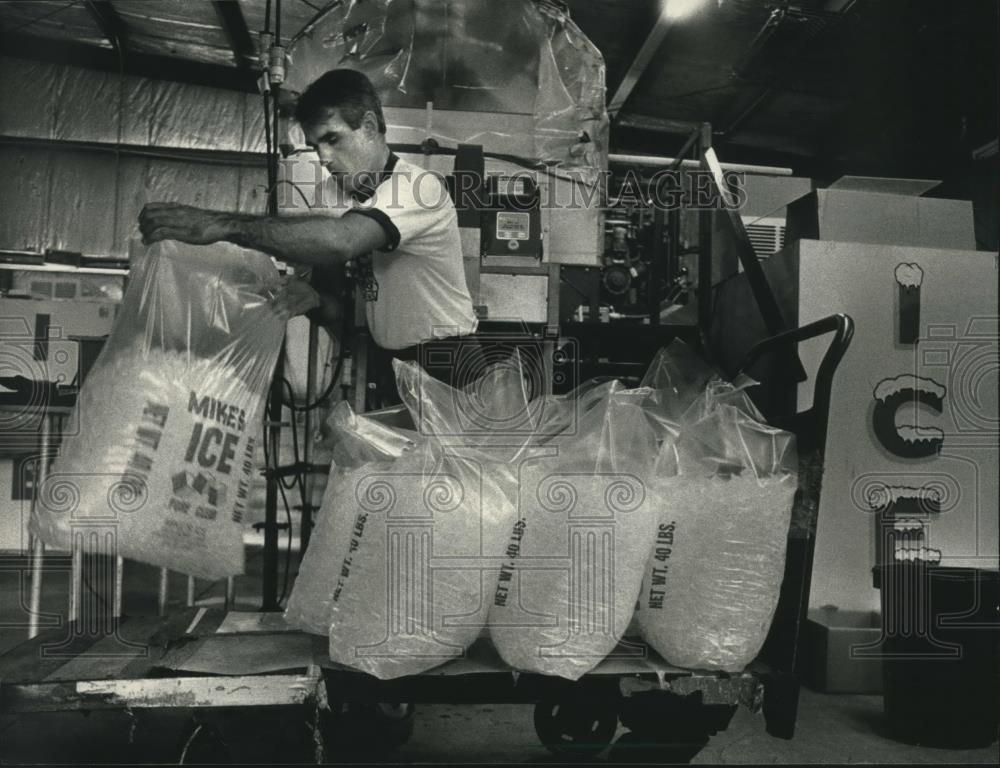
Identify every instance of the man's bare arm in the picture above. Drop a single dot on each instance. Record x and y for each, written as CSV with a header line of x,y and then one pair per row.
x,y
305,240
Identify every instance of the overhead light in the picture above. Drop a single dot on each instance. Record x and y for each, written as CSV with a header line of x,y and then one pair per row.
x,y
681,9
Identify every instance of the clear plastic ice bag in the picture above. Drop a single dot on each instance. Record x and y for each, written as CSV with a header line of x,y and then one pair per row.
x,y
361,444
492,414
170,413
403,558
420,565
725,495
574,559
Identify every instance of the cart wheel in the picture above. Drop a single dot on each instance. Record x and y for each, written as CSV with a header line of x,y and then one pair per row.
x,y
394,723
583,728
369,727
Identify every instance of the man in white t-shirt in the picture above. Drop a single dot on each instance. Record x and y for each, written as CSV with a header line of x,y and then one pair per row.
x,y
400,227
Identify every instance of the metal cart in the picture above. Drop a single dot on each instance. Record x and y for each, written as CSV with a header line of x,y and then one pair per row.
x,y
670,712
203,659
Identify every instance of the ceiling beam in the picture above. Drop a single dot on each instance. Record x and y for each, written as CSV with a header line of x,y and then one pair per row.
x,y
787,145
744,106
658,124
111,25
639,64
146,65
234,25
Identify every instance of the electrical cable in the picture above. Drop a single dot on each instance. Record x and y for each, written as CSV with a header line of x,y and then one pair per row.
x,y
321,400
288,549
294,186
295,440
288,512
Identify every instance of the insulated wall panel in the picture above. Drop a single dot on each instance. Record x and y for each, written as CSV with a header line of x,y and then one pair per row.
x,y
24,195
81,209
87,106
28,92
253,123
205,186
180,115
131,196
253,190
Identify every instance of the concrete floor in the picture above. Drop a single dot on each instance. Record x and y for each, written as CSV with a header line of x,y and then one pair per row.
x,y
830,729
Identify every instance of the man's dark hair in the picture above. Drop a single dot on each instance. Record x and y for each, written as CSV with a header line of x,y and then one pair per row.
x,y
347,90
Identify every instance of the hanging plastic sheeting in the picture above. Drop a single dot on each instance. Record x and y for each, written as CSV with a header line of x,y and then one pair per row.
x,y
170,414
514,57
725,489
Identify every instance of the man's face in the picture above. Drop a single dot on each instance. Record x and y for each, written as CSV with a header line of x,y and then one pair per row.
x,y
347,153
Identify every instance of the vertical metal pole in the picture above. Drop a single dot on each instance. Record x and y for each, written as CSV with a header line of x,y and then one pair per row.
x,y
657,267
38,549
230,593
119,579
190,591
307,478
552,332
360,371
37,554
269,576
705,252
673,260
76,575
161,600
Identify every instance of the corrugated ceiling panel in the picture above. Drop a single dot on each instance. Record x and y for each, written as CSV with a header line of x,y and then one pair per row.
x,y
295,14
175,28
24,186
81,210
180,49
49,18
28,94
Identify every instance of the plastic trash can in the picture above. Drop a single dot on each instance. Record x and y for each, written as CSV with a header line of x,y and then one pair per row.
x,y
940,653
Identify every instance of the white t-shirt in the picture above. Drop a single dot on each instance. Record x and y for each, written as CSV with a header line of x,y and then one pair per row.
x,y
415,288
